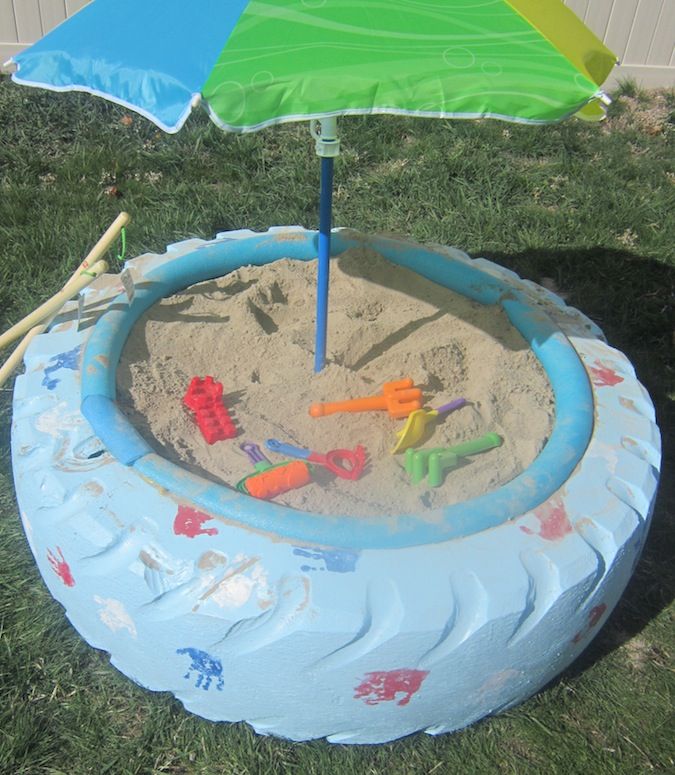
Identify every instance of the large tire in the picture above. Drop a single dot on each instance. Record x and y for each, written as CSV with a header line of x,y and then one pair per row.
x,y
194,592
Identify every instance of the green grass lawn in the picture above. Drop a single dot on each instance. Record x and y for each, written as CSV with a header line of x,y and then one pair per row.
x,y
586,209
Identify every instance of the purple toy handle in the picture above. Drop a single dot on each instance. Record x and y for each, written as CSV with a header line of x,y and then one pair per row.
x,y
456,404
254,453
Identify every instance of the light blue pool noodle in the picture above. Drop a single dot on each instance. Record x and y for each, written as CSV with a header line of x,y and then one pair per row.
x,y
571,388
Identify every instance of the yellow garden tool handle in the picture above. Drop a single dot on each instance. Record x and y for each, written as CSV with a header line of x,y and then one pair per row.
x,y
50,307
72,287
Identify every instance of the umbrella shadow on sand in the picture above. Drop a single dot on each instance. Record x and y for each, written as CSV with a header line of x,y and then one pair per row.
x,y
407,283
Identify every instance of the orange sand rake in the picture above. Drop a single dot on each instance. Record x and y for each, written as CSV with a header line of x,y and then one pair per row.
x,y
399,398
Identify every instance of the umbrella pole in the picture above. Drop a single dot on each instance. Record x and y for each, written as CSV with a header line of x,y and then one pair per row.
x,y
324,132
323,273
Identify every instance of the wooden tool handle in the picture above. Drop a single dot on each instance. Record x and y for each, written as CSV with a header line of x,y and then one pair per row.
x,y
73,285
101,246
15,358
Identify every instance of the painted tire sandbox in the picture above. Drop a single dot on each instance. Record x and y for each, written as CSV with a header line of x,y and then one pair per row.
x,y
307,626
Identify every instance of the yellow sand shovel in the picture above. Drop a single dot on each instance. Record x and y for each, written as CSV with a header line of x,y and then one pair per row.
x,y
39,320
417,421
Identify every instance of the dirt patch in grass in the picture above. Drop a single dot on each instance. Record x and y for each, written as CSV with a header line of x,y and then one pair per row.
x,y
649,113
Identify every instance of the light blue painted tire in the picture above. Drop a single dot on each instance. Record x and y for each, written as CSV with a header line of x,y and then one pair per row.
x,y
307,627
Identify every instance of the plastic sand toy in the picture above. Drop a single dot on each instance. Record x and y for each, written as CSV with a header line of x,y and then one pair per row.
x,y
399,398
417,422
276,480
205,398
439,459
345,463
271,480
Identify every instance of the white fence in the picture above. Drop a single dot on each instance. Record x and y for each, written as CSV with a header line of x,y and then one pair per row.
x,y
22,22
640,32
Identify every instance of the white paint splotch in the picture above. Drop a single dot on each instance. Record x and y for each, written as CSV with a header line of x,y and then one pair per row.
x,y
244,579
58,419
114,615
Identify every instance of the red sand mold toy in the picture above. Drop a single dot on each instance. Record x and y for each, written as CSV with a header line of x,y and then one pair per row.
x,y
205,398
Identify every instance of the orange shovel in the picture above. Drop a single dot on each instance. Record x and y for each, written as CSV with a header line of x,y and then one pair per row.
x,y
399,398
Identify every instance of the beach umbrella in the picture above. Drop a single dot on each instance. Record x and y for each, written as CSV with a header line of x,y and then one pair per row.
x,y
255,63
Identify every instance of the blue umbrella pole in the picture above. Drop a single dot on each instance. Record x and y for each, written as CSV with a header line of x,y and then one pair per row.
x,y
325,208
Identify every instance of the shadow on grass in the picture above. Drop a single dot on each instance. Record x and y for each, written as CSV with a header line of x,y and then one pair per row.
x,y
632,298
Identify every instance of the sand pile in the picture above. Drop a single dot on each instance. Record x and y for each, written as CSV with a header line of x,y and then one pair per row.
x,y
253,330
